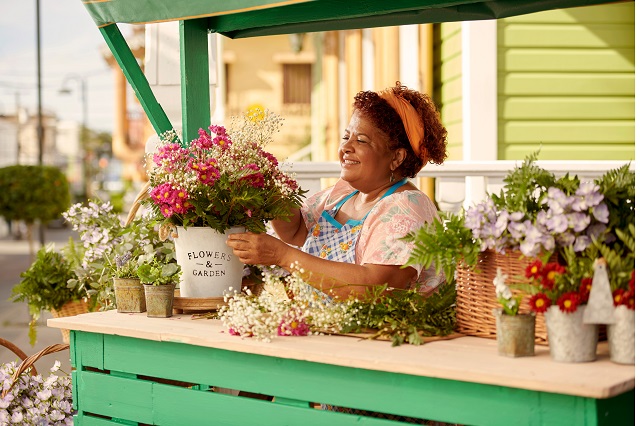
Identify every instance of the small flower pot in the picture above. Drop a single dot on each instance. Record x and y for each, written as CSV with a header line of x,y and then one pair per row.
x,y
129,295
515,334
159,300
622,336
570,340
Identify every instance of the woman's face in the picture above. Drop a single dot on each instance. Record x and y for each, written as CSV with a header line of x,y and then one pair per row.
x,y
365,158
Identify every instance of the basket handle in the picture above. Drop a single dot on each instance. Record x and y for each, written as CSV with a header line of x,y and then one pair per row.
x,y
13,348
30,360
144,193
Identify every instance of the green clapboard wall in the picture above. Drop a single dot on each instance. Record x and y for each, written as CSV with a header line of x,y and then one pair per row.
x,y
565,82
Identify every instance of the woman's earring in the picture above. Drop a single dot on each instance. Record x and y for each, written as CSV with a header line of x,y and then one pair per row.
x,y
392,177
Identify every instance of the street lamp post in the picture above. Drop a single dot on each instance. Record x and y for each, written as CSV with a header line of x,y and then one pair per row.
x,y
65,90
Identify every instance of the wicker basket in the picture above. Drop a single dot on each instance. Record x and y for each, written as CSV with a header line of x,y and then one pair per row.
x,y
70,309
476,295
28,361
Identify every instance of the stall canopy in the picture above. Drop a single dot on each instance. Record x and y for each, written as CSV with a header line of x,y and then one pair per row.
x,y
251,18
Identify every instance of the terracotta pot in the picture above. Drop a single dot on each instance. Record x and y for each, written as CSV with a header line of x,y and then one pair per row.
x,y
129,295
622,336
515,334
570,340
159,300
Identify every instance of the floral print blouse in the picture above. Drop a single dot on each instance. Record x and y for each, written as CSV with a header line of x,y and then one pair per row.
x,y
391,218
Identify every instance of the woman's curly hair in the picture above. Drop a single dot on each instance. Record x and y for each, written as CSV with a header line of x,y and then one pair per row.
x,y
385,118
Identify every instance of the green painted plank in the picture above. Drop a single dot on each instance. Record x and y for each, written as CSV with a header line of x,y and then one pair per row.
x,y
89,420
558,151
569,36
194,71
569,84
566,108
118,397
136,78
621,13
89,350
579,132
467,403
567,60
175,406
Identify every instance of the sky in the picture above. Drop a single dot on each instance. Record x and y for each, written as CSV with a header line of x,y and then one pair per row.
x,y
70,46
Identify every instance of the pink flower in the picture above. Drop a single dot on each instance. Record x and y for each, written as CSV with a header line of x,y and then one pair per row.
x,y
293,328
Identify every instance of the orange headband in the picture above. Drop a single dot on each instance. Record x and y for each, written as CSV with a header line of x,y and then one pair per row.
x,y
413,126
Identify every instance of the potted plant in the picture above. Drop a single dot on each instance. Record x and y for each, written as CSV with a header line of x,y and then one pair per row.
x,y
221,182
620,261
44,287
128,289
159,280
535,215
515,331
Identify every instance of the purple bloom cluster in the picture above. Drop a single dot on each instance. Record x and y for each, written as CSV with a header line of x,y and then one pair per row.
x,y
565,220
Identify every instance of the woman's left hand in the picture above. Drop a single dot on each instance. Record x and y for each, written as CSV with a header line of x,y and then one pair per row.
x,y
258,249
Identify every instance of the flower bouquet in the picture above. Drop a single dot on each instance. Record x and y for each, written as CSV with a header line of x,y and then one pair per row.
x,y
223,178
221,182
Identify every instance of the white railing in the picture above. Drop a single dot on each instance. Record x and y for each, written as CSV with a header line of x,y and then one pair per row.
x,y
461,183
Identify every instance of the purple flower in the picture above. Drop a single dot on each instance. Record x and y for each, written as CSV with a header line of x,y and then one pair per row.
x,y
601,213
589,195
578,221
557,223
581,243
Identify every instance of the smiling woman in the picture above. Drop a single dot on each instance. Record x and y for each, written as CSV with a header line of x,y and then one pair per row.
x,y
351,235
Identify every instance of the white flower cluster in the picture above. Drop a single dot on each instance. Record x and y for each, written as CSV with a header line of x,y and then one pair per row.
x,y
285,307
34,400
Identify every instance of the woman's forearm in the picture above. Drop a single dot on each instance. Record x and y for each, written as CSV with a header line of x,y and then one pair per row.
x,y
345,279
293,231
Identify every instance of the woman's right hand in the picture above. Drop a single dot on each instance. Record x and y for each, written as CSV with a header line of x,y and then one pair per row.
x,y
259,249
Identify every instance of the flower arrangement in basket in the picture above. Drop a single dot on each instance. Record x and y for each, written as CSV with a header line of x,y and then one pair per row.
x,y
558,219
27,398
223,178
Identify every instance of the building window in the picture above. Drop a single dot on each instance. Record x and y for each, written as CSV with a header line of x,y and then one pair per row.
x,y
297,83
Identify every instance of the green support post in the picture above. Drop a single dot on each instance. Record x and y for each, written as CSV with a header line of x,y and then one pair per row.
x,y
194,71
136,78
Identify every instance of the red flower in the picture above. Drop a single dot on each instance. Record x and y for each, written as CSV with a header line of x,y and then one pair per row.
x,y
534,269
631,301
585,289
619,297
569,301
539,302
549,273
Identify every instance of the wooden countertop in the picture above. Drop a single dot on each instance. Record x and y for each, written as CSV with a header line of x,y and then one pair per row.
x,y
468,359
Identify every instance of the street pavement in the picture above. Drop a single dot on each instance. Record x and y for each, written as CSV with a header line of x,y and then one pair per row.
x,y
14,317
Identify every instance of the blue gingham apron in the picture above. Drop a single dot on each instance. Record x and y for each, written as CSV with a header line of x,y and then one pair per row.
x,y
331,240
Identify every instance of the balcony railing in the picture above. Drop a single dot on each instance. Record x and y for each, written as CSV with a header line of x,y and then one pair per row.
x,y
461,183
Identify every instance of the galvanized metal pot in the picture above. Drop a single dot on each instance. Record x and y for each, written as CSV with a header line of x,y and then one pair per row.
x,y
570,340
129,295
622,336
159,300
516,334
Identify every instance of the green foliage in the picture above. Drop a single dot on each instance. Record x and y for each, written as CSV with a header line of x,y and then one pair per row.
x,y
33,193
619,190
44,285
405,315
157,273
620,257
526,185
444,244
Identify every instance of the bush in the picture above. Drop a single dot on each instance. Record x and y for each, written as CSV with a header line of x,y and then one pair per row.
x,y
33,193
